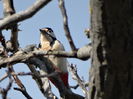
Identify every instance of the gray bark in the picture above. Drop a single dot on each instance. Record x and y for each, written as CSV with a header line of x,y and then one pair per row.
x,y
111,74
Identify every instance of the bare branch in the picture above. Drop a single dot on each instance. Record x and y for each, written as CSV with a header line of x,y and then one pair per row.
x,y
24,14
80,82
83,53
43,83
8,7
4,77
27,74
65,24
2,40
8,11
22,56
24,92
5,91
74,87
17,80
14,38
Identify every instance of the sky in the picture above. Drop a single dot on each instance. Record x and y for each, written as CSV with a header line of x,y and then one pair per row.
x,y
50,16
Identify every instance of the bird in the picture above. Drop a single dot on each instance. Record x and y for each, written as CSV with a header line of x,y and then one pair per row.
x,y
49,42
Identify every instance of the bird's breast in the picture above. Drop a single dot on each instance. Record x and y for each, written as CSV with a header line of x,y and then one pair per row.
x,y
45,46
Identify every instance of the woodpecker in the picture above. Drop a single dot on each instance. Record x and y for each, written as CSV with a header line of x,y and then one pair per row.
x,y
48,42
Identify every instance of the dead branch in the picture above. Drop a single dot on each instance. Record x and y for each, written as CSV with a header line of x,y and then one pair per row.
x,y
2,40
74,87
5,91
3,77
83,53
17,80
23,14
14,38
22,56
65,24
9,10
8,7
19,83
27,74
24,92
80,82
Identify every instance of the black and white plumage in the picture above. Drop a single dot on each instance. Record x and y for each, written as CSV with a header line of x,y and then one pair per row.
x,y
48,42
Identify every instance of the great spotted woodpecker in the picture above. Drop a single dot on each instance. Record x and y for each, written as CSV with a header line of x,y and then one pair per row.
x,y
48,42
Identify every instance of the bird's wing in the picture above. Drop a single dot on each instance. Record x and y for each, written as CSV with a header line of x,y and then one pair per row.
x,y
58,46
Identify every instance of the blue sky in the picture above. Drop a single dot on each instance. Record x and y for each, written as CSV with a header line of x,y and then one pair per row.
x,y
50,16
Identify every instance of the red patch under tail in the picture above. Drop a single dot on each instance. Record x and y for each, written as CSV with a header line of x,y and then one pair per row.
x,y
64,78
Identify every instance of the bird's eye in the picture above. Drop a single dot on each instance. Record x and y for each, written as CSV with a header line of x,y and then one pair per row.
x,y
49,31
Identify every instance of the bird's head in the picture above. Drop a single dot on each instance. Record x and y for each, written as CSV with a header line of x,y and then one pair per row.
x,y
48,33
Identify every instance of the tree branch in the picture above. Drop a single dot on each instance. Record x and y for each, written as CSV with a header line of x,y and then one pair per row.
x,y
80,82
46,67
22,56
65,24
30,74
8,7
24,92
8,11
24,14
83,53
17,80
3,77
5,91
43,83
14,38
35,58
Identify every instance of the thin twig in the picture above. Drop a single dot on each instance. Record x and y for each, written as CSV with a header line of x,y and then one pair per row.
x,y
65,24
19,83
74,87
24,92
5,91
3,77
27,74
17,80
76,77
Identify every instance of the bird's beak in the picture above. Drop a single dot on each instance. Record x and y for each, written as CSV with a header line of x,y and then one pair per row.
x,y
41,30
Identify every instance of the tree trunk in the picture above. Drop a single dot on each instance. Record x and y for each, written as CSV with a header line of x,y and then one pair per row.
x,y
111,74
